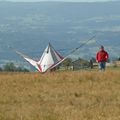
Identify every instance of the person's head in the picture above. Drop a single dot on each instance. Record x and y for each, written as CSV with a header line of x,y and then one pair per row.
x,y
101,47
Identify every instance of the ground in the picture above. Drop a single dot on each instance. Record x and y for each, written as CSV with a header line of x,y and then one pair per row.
x,y
70,95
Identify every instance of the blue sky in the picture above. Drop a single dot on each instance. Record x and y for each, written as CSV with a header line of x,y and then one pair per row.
x,y
60,0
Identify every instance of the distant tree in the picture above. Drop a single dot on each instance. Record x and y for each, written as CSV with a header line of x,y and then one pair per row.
x,y
25,70
119,59
91,63
19,69
67,62
9,67
0,69
83,61
93,59
80,63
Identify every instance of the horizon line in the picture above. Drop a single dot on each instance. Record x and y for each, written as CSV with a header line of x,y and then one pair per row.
x,y
60,1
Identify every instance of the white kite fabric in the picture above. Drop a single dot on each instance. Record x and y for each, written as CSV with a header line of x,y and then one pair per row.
x,y
49,59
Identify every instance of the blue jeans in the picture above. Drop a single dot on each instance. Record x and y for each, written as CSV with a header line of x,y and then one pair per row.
x,y
102,65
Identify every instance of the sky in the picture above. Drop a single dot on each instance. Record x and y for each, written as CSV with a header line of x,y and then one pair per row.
x,y
59,0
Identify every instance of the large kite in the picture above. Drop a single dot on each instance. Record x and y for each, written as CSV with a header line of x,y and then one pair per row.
x,y
50,58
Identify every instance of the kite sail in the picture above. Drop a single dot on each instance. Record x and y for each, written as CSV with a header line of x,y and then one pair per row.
x,y
50,58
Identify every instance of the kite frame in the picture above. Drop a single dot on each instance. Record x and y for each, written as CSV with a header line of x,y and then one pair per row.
x,y
37,66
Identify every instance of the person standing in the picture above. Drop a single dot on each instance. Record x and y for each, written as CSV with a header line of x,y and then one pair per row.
x,y
101,58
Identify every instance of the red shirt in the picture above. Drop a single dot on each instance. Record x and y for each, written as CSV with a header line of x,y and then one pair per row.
x,y
101,55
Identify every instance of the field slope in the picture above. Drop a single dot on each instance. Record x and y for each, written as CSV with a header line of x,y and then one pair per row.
x,y
80,95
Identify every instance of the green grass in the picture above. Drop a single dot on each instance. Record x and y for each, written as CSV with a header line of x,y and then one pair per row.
x,y
79,95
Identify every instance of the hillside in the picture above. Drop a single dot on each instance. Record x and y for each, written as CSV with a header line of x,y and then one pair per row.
x,y
83,95
30,26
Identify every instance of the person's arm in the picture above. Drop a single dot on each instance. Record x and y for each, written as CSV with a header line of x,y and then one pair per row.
x,y
107,55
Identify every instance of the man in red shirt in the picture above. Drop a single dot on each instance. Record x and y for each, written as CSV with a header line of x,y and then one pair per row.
x,y
101,58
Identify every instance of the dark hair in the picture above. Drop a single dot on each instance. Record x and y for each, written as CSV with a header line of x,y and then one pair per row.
x,y
102,47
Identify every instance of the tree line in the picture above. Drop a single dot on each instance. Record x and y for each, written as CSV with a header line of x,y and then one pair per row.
x,y
66,64
12,68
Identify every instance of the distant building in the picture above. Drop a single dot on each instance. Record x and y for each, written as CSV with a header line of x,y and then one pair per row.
x,y
80,64
116,63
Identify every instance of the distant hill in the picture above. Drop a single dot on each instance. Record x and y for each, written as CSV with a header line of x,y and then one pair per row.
x,y
30,26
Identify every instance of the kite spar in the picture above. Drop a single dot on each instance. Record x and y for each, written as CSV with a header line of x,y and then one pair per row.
x,y
72,51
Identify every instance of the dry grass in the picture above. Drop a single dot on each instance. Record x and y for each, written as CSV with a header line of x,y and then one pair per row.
x,y
81,95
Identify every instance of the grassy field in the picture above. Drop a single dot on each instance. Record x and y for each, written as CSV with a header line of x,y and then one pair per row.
x,y
79,95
